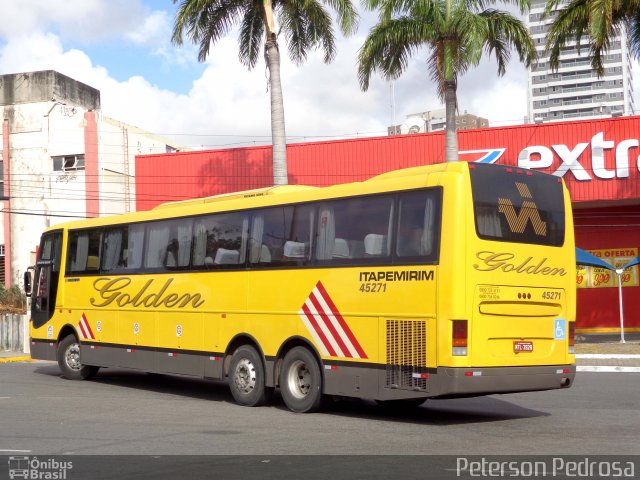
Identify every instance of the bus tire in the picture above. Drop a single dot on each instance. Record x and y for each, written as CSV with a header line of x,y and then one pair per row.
x,y
247,378
69,360
301,381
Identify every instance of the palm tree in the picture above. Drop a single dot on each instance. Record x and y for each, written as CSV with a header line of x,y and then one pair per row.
x,y
455,33
600,20
306,25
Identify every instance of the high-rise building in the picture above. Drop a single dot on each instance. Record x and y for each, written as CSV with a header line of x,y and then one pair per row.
x,y
575,90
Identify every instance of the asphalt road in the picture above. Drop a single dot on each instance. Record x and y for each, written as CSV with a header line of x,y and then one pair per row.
x,y
123,412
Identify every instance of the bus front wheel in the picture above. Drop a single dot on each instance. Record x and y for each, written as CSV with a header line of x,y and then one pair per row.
x,y
247,378
301,381
69,360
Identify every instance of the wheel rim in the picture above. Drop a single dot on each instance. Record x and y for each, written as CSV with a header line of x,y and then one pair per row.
x,y
299,379
72,357
244,376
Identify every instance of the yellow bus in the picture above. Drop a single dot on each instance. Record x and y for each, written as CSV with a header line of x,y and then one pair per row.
x,y
438,281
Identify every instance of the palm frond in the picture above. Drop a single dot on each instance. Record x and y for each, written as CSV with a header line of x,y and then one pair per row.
x,y
251,37
307,25
634,33
346,13
205,21
389,46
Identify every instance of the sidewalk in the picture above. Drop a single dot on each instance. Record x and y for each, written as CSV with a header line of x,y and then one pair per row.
x,y
603,352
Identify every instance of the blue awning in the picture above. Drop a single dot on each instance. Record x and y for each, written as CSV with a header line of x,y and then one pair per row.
x,y
632,263
587,260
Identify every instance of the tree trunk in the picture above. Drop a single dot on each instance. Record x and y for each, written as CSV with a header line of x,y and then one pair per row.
x,y
278,134
451,133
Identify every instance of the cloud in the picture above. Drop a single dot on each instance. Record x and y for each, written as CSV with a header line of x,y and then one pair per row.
x,y
226,105
86,20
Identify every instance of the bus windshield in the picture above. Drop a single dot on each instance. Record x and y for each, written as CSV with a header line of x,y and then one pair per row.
x,y
518,206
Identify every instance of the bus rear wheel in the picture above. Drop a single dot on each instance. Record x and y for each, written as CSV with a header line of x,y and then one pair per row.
x,y
247,378
301,381
69,360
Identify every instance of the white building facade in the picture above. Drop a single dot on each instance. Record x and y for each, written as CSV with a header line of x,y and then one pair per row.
x,y
61,159
575,91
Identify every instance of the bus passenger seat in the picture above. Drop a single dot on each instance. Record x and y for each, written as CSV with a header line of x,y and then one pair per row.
x,y
93,262
294,250
356,248
226,257
375,244
341,248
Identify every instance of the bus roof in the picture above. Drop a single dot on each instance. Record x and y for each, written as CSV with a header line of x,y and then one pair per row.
x,y
408,178
257,192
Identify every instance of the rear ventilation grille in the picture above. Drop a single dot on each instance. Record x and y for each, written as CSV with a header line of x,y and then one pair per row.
x,y
407,355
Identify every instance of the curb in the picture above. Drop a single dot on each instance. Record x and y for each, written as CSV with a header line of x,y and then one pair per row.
x,y
15,359
607,355
608,369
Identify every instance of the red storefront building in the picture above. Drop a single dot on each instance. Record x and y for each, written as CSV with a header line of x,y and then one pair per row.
x,y
598,159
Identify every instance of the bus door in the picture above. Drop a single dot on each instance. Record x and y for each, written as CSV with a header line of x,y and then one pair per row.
x,y
46,279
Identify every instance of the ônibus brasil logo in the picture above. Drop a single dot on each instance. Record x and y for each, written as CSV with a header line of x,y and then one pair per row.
x,y
33,468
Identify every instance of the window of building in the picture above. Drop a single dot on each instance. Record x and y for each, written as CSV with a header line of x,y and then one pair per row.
x,y
68,163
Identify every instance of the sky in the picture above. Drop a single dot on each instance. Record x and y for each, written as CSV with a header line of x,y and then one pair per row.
x,y
123,48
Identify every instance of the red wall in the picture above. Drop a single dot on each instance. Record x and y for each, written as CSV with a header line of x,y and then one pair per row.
x,y
600,160
600,229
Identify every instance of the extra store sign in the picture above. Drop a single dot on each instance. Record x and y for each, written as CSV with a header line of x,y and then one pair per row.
x,y
598,159
592,277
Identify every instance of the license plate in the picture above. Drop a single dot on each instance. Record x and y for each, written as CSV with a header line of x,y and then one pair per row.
x,y
522,347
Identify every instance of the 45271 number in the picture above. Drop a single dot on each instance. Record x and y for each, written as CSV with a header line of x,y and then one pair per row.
x,y
551,295
373,287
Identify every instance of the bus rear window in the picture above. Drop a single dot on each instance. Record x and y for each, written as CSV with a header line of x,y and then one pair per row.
x,y
516,205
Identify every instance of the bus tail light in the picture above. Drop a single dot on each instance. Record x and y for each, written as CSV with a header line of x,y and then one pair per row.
x,y
572,337
459,336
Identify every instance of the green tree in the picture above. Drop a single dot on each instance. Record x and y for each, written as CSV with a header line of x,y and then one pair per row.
x,y
306,25
600,20
455,34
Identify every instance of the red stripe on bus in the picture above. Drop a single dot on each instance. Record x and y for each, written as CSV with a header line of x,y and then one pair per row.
x,y
327,321
318,330
82,330
88,326
341,320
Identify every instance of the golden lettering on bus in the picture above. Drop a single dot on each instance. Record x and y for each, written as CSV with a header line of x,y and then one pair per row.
x,y
114,291
528,212
507,262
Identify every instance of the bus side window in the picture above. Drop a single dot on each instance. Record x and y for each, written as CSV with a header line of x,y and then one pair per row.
x,y
84,251
282,236
219,240
354,229
418,225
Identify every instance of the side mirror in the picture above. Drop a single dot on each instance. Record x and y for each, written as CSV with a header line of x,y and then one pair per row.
x,y
28,282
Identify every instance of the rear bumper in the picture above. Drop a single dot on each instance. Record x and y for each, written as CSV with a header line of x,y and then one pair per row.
x,y
487,380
